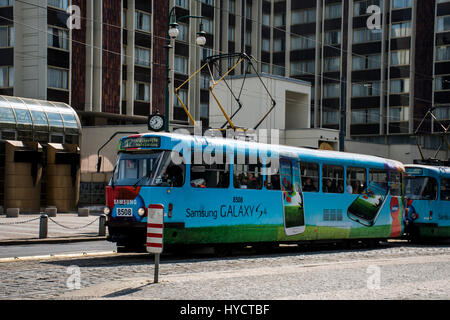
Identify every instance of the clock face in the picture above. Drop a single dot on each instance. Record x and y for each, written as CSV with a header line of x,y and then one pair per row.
x,y
156,122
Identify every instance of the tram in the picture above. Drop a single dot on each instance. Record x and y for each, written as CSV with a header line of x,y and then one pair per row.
x,y
218,191
427,193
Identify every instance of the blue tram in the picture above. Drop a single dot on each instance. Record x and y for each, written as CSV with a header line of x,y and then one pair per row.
x,y
427,192
223,191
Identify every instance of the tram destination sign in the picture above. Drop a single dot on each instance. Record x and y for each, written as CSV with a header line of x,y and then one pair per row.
x,y
141,142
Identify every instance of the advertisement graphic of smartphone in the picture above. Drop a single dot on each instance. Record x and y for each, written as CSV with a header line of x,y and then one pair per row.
x,y
293,209
367,207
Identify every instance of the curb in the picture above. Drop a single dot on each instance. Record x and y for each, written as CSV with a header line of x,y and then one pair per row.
x,y
50,240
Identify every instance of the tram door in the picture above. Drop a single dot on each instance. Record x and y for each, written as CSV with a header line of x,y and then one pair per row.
x,y
293,209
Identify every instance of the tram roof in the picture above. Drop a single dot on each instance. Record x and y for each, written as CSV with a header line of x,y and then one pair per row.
x,y
37,115
307,154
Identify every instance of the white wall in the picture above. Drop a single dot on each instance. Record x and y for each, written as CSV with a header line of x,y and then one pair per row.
x,y
256,102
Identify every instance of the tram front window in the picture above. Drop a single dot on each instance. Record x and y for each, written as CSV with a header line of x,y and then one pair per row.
x,y
147,169
420,188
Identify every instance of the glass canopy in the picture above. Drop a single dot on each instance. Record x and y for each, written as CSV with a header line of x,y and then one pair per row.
x,y
38,120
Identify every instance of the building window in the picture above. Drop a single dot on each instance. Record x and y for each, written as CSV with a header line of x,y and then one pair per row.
x,y
124,18
6,36
181,64
266,19
303,42
366,89
6,3
366,62
332,64
124,54
364,116
204,110
265,67
6,77
142,56
402,29
141,91
183,94
124,90
399,85
248,10
360,7
333,37
204,81
205,52
443,82
442,113
278,45
232,6
248,38
330,117
398,4
207,25
182,3
443,24
265,45
366,35
333,11
231,33
61,4
399,58
331,90
142,21
183,34
398,114
304,16
302,67
58,38
443,53
278,70
58,78
208,2
279,20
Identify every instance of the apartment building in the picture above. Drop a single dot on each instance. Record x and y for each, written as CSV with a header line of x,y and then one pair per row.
x,y
113,69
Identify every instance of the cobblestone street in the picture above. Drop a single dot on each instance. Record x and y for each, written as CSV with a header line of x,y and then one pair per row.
x,y
404,272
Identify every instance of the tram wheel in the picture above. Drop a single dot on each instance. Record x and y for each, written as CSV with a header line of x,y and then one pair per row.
x,y
222,250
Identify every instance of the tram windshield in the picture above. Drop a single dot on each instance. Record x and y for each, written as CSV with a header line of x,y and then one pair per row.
x,y
147,169
421,188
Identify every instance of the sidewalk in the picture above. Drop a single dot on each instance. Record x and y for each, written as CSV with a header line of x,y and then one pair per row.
x,y
65,227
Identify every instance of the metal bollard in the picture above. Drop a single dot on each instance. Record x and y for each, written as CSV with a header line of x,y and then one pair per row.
x,y
102,225
43,226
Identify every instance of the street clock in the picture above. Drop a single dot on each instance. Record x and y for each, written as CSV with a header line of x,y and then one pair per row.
x,y
155,122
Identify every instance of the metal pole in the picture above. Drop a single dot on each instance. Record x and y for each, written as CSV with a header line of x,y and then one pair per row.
x,y
43,226
156,268
102,225
166,109
342,129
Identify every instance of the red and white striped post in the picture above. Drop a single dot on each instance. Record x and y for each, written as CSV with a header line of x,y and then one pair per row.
x,y
155,230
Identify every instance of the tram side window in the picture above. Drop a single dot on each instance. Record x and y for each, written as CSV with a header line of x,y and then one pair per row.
x,y
445,189
273,181
310,176
430,190
395,183
247,176
378,177
215,175
332,179
356,180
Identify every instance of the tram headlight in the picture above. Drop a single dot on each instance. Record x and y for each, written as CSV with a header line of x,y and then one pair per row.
x,y
141,212
106,210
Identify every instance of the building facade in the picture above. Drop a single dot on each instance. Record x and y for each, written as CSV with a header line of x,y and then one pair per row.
x,y
112,69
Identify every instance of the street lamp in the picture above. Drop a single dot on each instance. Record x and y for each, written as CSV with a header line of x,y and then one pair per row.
x,y
173,32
